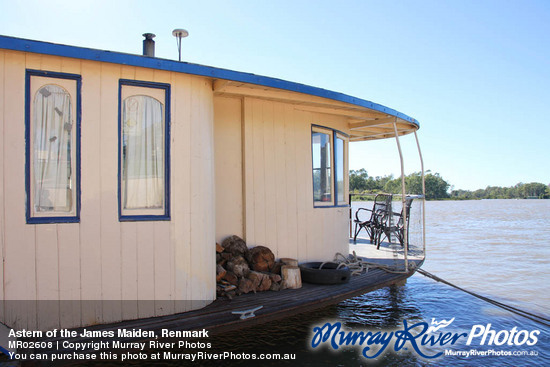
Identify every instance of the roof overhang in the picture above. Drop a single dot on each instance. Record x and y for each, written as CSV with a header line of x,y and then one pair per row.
x,y
364,123
367,120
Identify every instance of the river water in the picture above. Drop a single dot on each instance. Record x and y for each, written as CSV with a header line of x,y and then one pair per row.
x,y
498,248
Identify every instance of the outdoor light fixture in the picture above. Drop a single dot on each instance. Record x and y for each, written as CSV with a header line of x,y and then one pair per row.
x,y
179,34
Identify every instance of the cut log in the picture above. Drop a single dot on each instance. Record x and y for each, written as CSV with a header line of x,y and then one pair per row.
x,y
275,278
256,279
219,248
235,245
261,281
277,268
226,256
291,277
231,278
220,272
261,258
246,285
289,261
238,266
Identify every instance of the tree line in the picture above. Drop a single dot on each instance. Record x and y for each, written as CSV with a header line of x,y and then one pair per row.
x,y
438,188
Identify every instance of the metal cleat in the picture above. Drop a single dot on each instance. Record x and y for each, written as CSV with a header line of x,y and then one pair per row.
x,y
245,314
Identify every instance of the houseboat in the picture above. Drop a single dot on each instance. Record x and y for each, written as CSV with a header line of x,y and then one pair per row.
x,y
120,173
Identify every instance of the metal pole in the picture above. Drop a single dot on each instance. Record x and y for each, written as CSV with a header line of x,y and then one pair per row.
x,y
179,34
350,217
424,197
403,198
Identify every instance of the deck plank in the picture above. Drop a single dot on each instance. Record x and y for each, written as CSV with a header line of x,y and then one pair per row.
x,y
217,317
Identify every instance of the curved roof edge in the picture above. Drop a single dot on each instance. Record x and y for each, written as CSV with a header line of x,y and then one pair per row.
x,y
54,49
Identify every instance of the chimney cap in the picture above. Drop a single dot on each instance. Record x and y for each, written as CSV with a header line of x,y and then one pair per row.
x,y
148,45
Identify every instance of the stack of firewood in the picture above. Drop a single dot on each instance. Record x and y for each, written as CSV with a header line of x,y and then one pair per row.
x,y
242,270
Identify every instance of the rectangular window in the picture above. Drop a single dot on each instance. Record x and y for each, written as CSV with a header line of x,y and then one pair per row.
x,y
329,152
321,143
52,135
340,155
144,143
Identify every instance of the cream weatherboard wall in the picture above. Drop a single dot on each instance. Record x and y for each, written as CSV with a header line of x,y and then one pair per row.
x,y
107,263
276,182
239,165
229,166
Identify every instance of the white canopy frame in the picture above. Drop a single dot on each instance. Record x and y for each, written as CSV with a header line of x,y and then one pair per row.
x,y
404,197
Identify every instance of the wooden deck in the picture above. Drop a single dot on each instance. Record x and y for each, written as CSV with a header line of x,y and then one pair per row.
x,y
217,317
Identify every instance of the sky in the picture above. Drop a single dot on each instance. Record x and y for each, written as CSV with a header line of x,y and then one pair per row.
x,y
475,74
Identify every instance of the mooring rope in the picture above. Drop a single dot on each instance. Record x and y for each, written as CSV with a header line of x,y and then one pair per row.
x,y
536,318
353,263
357,265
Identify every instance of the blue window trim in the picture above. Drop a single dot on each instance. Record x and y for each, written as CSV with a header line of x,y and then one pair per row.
x,y
333,154
146,84
335,134
28,101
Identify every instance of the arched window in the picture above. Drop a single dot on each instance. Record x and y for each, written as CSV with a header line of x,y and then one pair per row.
x,y
143,152
52,124
52,147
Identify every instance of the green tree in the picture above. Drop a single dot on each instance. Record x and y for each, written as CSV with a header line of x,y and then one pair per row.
x,y
358,180
535,190
436,186
393,186
518,191
413,183
461,195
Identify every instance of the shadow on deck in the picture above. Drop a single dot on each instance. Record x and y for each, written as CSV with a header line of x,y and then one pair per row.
x,y
217,317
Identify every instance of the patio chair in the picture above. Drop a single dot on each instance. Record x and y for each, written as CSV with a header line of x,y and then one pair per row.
x,y
382,203
387,228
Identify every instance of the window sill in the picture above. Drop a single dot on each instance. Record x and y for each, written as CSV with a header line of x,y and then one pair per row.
x,y
52,220
331,206
143,218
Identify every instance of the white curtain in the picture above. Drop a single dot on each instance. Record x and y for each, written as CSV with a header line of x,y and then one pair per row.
x,y
142,153
51,134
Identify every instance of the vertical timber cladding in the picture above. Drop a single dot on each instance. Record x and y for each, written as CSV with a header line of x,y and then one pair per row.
x,y
19,251
229,165
278,190
99,259
2,219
